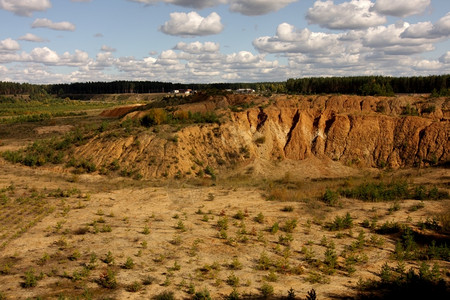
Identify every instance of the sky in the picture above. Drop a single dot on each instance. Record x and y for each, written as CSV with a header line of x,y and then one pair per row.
x,y
206,41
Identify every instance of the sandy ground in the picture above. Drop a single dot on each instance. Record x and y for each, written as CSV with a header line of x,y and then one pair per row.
x,y
170,231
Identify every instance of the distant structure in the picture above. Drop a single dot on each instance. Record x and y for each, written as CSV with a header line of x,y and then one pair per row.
x,y
244,91
183,92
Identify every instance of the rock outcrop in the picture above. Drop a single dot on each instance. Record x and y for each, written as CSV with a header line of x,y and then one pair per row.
x,y
353,130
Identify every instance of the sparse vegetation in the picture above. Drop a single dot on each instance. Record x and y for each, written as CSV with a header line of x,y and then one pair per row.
x,y
209,234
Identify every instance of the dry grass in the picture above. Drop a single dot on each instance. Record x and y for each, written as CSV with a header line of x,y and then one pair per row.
x,y
184,251
105,236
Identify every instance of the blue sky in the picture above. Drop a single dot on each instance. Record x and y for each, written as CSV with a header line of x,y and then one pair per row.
x,y
52,41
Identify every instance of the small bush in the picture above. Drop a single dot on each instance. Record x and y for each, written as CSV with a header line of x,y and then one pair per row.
x,y
266,290
389,228
166,295
129,264
239,215
289,225
234,295
375,192
222,224
108,279
148,280
134,287
202,295
264,262
233,280
341,223
109,258
330,197
397,283
274,228
235,264
31,279
288,208
259,218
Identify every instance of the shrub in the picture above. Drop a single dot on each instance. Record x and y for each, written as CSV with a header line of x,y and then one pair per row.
x,y
264,261
285,239
202,295
235,264
340,223
239,215
31,279
222,223
155,116
330,197
291,294
259,218
109,258
290,225
409,110
134,287
374,192
233,280
108,279
234,295
397,283
330,260
288,208
166,295
311,295
210,171
274,228
148,280
272,277
266,290
389,228
129,264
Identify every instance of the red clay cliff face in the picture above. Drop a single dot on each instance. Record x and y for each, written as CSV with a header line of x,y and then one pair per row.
x,y
362,131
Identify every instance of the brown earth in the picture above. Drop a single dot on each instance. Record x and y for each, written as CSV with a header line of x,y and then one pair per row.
x,y
352,130
289,149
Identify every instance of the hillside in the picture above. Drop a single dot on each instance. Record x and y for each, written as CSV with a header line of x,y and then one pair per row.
x,y
357,131
224,196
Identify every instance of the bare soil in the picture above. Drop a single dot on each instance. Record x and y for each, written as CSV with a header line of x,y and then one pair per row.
x,y
58,228
182,247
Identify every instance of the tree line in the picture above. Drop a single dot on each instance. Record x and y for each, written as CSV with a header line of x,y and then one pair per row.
x,y
360,85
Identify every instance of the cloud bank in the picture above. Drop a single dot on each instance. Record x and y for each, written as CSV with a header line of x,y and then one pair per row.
x,y
192,24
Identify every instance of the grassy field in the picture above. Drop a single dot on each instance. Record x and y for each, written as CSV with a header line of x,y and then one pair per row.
x,y
66,234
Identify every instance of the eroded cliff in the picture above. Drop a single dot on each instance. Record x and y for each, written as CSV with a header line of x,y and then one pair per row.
x,y
355,131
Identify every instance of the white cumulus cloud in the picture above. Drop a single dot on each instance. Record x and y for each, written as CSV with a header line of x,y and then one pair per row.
x,y
185,3
258,7
245,7
9,45
197,47
46,23
401,8
393,40
445,58
44,55
426,30
192,24
105,48
442,26
25,7
32,38
355,14
288,39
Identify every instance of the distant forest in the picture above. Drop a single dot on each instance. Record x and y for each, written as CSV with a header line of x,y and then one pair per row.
x,y
360,85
